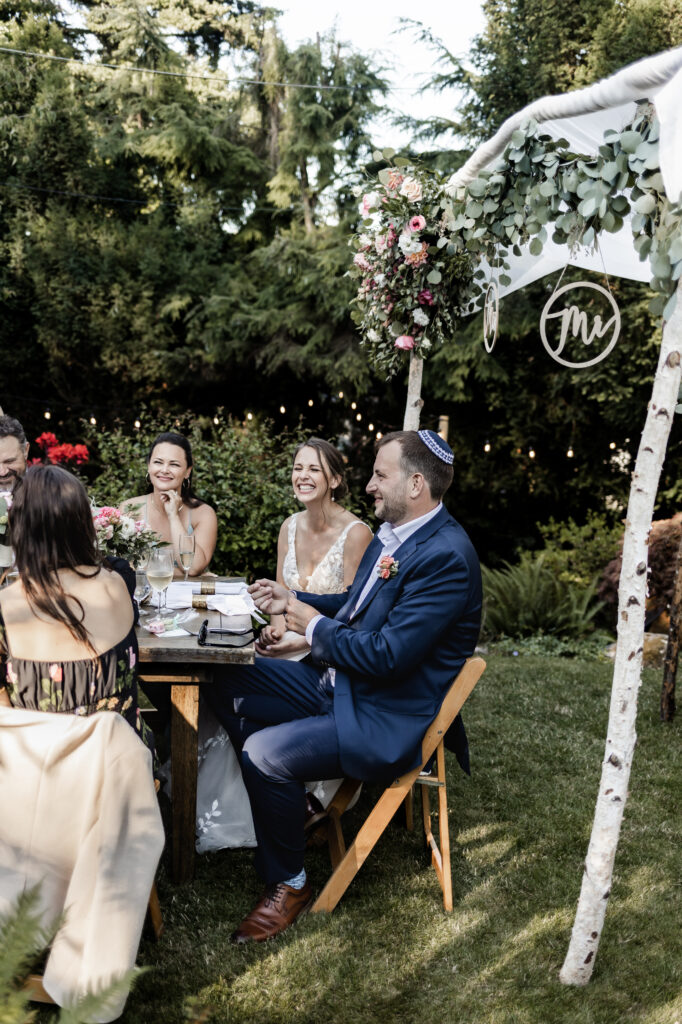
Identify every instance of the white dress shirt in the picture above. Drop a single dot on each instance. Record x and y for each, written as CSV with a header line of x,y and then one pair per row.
x,y
391,538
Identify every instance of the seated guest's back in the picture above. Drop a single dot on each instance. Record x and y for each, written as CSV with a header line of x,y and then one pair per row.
x,y
67,639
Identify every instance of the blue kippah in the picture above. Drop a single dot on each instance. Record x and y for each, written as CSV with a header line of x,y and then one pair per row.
x,y
440,448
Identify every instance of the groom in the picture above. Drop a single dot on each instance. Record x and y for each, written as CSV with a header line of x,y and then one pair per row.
x,y
384,653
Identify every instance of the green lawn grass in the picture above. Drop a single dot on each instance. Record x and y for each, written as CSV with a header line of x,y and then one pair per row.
x,y
519,827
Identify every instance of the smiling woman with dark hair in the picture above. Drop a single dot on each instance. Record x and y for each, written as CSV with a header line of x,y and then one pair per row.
x,y
67,638
170,506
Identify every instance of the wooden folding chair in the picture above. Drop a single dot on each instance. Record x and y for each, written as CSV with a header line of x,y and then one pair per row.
x,y
347,863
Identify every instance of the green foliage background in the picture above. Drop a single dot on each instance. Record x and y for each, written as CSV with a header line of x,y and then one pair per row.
x,y
180,245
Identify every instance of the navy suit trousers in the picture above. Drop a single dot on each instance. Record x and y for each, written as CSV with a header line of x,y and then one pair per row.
x,y
280,718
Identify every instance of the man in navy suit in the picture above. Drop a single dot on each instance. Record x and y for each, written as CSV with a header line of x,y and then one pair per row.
x,y
383,655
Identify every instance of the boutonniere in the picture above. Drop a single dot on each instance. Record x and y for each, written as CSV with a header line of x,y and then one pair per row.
x,y
387,567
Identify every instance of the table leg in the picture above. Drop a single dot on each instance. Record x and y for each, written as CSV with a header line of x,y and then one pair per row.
x,y
184,749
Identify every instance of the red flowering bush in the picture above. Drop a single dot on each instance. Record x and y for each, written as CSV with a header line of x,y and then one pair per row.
x,y
60,454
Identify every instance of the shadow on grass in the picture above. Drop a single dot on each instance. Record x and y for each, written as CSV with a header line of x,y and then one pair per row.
x,y
519,831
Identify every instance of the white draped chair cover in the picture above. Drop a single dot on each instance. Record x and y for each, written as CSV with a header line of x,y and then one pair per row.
x,y
79,816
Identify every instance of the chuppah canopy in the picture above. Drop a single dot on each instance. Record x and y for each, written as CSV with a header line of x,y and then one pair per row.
x,y
581,118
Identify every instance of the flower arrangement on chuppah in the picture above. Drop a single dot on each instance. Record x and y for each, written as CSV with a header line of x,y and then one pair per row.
x,y
120,535
413,279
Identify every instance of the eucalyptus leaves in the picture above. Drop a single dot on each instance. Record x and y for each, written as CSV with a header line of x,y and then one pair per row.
x,y
536,188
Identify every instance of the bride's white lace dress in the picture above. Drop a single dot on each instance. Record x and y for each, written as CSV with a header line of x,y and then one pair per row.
x,y
223,809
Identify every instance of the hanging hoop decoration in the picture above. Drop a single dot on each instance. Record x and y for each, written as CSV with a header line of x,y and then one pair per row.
x,y
491,316
575,323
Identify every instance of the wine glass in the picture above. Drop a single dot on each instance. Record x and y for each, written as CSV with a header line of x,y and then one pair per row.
x,y
186,547
160,571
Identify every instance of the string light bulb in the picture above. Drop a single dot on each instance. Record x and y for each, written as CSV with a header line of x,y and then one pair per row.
x,y
216,420
249,415
340,394
531,453
370,426
486,446
569,453
93,421
359,417
137,424
47,414
310,402
353,405
282,409
379,435
612,446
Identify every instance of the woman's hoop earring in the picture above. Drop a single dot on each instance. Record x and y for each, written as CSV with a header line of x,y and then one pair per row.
x,y
185,484
147,478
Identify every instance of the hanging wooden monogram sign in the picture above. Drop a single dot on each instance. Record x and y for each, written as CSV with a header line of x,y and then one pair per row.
x,y
491,316
567,330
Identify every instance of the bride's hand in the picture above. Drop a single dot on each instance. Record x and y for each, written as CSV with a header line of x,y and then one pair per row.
x,y
283,648
268,636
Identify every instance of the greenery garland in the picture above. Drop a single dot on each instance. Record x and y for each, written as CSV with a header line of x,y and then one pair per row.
x,y
537,185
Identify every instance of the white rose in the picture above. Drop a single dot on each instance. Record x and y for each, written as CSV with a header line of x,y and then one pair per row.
x,y
365,242
411,189
373,335
127,527
408,243
380,280
370,201
425,343
420,317
357,190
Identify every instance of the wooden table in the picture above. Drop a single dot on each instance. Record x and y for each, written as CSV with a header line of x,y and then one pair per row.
x,y
181,663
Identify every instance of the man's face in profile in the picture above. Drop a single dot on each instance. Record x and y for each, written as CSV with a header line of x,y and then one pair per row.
x,y
12,461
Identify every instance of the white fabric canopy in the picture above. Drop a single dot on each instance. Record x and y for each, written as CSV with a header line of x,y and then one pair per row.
x,y
581,118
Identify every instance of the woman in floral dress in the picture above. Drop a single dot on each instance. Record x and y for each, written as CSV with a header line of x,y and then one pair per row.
x,y
67,638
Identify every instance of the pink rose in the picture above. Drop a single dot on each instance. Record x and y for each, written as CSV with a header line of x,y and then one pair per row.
x,y
417,223
425,298
131,657
56,673
405,341
361,261
391,236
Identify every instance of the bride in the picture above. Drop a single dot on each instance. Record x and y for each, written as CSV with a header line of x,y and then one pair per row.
x,y
319,550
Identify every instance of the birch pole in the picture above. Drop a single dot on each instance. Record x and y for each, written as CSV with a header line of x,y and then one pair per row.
x,y
414,402
621,733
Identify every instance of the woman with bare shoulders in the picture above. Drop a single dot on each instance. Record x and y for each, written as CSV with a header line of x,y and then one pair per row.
x,y
319,550
67,637
170,507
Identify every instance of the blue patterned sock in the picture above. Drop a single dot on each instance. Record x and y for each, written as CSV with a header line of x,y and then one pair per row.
x,y
298,881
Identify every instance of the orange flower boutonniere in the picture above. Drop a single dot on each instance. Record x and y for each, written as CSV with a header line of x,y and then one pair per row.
x,y
387,567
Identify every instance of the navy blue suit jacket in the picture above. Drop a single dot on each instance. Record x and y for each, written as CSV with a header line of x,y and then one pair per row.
x,y
397,654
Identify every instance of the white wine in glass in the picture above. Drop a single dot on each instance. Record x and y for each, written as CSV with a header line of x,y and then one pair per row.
x,y
186,546
160,571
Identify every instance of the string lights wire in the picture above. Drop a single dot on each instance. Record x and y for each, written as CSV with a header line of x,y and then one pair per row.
x,y
136,202
219,80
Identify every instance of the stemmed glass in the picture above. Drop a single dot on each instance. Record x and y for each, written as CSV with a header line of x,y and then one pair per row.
x,y
186,547
160,571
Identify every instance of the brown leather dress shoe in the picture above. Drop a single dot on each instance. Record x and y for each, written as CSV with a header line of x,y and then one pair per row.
x,y
279,908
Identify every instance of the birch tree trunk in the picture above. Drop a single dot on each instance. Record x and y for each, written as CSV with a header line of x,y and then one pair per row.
x,y
621,734
414,402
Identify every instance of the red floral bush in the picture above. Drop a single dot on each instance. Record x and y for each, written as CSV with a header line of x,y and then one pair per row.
x,y
60,454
